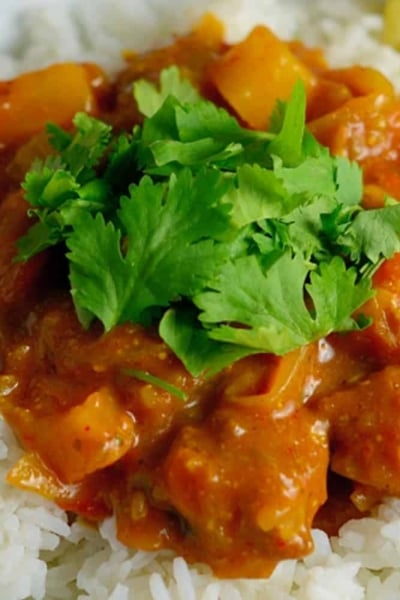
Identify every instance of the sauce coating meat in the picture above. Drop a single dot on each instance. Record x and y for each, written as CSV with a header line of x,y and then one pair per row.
x,y
235,474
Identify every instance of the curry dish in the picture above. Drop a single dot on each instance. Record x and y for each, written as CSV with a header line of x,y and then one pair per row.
x,y
237,473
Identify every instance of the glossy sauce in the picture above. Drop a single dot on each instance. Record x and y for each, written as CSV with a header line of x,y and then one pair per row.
x,y
235,475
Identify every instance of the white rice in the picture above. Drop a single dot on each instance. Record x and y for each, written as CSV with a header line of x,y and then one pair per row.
x,y
41,555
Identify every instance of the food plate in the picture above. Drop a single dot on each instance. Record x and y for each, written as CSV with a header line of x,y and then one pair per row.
x,y
45,553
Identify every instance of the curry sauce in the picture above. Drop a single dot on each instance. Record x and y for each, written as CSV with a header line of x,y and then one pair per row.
x,y
236,473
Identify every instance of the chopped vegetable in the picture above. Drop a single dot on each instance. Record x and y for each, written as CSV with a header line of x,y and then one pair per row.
x,y
255,72
156,381
29,101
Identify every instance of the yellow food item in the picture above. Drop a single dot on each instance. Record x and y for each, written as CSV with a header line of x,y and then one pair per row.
x,y
391,30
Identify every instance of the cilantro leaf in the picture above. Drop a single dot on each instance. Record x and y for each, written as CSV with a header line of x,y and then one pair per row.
x,y
234,241
376,233
259,194
176,250
267,311
39,237
193,134
49,183
171,248
200,354
336,292
161,126
349,181
150,99
289,140
60,186
87,146
193,154
100,278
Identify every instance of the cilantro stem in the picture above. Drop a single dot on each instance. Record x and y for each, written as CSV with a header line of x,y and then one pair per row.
x,y
161,383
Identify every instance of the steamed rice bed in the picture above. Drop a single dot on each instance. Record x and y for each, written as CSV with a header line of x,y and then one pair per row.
x,y
41,555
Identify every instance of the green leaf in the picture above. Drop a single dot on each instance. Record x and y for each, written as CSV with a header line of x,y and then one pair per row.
x,y
161,126
313,176
267,311
48,183
157,382
206,120
259,195
101,280
58,137
349,181
150,99
192,154
122,167
176,250
39,237
88,145
170,236
303,231
61,186
201,355
336,294
289,141
377,232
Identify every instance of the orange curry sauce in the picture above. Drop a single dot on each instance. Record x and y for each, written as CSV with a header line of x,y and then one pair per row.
x,y
234,476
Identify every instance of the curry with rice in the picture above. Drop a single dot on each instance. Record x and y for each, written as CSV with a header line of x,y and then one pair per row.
x,y
233,468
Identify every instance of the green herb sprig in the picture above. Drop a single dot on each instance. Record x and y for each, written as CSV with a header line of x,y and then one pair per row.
x,y
233,241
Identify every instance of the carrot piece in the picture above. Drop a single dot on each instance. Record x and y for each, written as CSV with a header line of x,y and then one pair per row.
x,y
56,93
252,75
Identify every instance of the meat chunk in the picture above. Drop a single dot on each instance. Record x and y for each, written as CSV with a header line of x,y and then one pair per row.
x,y
248,483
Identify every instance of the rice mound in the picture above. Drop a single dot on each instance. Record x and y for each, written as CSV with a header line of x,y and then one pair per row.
x,y
42,556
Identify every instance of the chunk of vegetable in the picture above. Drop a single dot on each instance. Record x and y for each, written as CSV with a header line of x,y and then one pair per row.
x,y
52,94
361,80
252,75
88,437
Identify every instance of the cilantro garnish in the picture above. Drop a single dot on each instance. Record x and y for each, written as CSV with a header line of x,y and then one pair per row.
x,y
156,381
232,241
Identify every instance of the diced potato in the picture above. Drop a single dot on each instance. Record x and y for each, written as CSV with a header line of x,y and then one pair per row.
x,y
84,439
52,94
252,75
